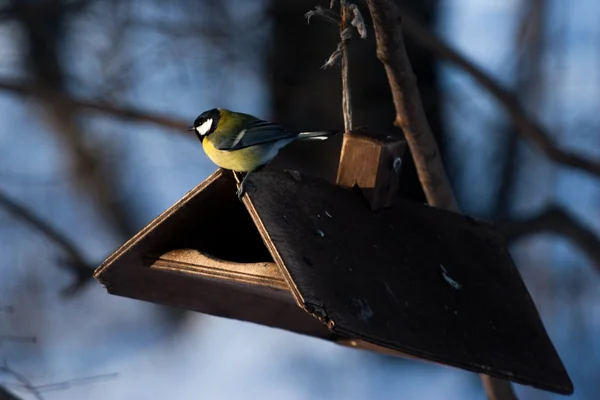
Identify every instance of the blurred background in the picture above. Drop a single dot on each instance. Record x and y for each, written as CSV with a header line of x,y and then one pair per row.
x,y
94,99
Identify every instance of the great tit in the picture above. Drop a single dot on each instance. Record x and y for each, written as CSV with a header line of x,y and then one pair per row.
x,y
243,143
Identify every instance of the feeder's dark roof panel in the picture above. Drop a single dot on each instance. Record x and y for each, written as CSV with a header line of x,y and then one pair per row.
x,y
423,281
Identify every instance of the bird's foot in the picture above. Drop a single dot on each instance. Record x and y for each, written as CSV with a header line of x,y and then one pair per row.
x,y
243,188
243,185
240,191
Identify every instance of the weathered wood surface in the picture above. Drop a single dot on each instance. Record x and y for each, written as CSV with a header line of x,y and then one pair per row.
x,y
423,281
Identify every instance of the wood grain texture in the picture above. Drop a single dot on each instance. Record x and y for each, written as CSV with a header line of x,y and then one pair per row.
x,y
416,279
367,161
192,261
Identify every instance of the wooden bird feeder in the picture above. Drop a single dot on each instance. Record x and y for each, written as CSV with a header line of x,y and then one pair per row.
x,y
312,257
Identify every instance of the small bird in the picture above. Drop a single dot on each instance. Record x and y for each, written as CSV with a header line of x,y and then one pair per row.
x,y
243,143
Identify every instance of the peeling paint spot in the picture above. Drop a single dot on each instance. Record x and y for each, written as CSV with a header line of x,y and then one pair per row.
x,y
397,164
448,279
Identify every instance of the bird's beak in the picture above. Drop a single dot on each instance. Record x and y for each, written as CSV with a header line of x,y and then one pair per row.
x,y
190,128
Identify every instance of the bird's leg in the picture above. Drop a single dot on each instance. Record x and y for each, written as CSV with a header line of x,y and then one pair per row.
x,y
241,190
243,185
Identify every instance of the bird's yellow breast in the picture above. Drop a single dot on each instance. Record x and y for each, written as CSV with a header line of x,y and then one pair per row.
x,y
243,160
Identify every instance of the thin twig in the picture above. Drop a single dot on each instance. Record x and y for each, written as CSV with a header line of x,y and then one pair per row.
x,y
344,38
125,113
17,338
347,10
64,385
325,14
525,124
22,379
5,394
528,88
36,390
411,118
557,220
75,260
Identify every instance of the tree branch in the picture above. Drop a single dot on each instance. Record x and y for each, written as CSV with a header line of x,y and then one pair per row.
x,y
553,219
527,126
411,118
557,220
27,89
346,94
5,394
410,115
75,261
22,379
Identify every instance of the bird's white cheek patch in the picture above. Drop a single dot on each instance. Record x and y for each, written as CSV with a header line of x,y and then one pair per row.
x,y
205,127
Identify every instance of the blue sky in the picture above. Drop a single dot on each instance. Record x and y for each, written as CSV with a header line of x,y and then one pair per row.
x,y
214,358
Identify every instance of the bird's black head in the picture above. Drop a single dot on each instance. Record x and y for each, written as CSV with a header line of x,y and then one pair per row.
x,y
206,123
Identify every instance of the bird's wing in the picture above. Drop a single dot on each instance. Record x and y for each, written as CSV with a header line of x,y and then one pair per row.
x,y
259,132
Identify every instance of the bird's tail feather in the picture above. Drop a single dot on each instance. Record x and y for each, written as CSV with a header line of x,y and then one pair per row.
x,y
322,135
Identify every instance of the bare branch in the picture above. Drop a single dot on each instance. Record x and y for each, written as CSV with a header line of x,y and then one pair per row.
x,y
18,338
327,15
334,58
7,395
527,126
75,261
410,115
346,95
125,113
557,220
347,9
64,385
22,379
411,118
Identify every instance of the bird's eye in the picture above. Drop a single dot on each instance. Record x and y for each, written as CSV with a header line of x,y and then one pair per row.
x,y
204,128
